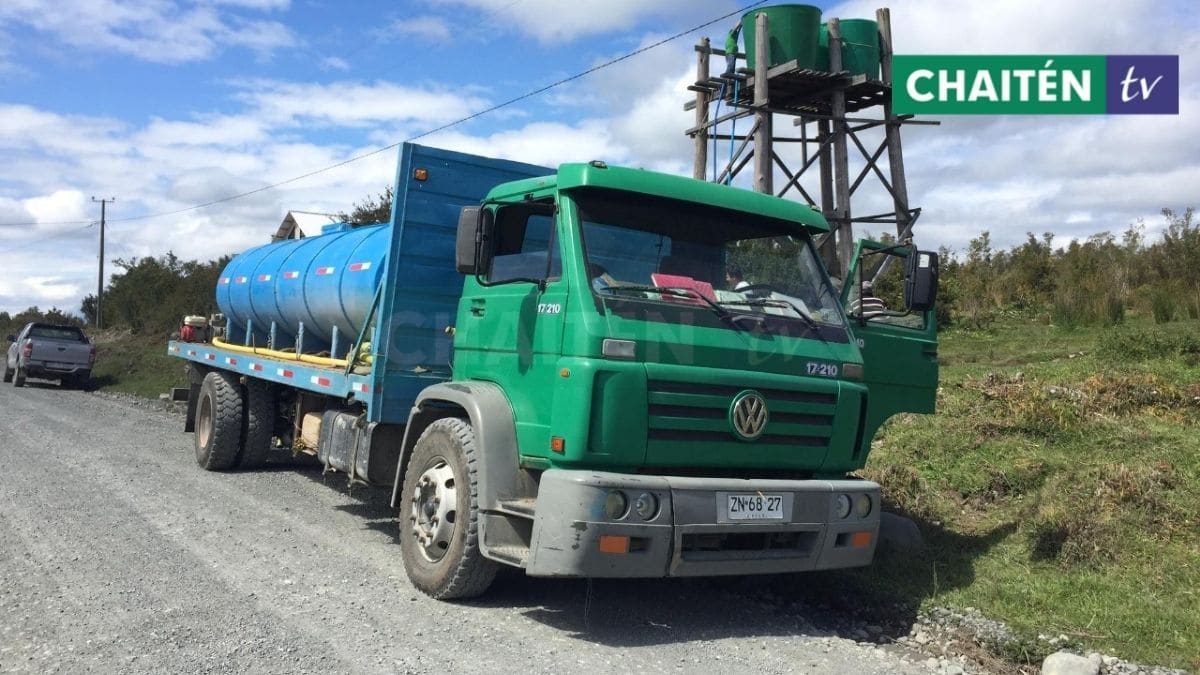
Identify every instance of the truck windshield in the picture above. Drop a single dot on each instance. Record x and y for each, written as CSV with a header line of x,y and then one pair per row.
x,y
719,263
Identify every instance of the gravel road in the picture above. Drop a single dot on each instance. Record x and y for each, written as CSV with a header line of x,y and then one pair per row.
x,y
118,554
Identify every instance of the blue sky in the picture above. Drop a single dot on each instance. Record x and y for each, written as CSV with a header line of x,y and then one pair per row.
x,y
166,105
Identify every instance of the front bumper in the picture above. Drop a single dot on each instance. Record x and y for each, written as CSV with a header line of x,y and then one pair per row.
x,y
691,534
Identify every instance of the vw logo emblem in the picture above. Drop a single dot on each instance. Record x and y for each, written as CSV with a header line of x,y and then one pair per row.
x,y
748,415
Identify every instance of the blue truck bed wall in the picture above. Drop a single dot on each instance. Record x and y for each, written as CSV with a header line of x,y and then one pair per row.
x,y
331,282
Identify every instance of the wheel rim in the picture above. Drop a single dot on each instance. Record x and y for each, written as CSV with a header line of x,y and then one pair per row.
x,y
204,421
433,510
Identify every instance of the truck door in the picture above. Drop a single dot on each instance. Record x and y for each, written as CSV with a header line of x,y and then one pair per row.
x,y
899,348
511,333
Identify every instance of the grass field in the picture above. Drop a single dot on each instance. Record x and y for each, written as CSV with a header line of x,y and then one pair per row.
x,y
135,364
1058,485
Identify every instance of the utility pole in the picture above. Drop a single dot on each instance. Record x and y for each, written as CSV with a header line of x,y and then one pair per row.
x,y
100,278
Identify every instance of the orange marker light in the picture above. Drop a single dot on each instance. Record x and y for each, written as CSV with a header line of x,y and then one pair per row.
x,y
558,444
421,174
860,539
565,372
610,543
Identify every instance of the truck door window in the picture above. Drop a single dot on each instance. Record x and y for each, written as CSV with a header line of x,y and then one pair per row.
x,y
525,245
882,293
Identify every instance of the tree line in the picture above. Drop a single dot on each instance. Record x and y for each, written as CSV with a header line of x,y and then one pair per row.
x,y
1096,281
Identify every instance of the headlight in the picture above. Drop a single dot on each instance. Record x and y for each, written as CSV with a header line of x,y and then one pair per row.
x,y
646,505
862,505
842,506
616,505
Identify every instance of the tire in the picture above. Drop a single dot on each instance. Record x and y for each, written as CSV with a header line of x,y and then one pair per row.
x,y
8,374
260,424
68,382
19,379
439,540
218,421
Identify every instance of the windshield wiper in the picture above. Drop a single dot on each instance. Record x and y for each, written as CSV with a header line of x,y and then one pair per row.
x,y
774,302
677,291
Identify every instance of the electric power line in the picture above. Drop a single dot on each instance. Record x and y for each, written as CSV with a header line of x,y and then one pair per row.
x,y
448,125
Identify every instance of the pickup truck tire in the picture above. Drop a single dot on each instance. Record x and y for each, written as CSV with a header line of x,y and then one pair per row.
x,y
439,514
219,421
8,374
260,424
19,379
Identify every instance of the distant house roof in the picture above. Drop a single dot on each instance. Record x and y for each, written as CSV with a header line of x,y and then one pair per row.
x,y
296,223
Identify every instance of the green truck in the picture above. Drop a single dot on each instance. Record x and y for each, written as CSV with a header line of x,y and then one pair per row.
x,y
592,371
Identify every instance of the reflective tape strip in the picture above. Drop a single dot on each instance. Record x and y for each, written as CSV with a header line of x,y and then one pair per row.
x,y
284,372
291,275
239,280
230,360
191,352
360,266
210,356
324,271
224,280
264,277
320,381
256,367
361,387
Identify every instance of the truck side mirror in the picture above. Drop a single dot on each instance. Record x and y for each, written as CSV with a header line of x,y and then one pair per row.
x,y
920,280
472,245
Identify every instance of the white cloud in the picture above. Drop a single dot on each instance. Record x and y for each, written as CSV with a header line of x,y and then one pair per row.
x,y
353,103
152,30
335,63
432,28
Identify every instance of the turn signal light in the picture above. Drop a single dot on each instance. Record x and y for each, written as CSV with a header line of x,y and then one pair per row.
x,y
611,543
860,539
421,174
558,444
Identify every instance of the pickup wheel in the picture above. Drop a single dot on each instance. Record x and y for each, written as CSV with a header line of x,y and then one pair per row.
x,y
19,379
260,424
218,421
8,374
439,514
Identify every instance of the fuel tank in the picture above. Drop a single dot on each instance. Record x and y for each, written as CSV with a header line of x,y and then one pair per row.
x,y
322,283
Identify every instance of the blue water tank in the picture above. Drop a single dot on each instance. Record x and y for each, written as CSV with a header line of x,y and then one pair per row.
x,y
321,282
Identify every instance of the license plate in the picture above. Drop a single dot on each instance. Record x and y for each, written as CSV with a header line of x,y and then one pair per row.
x,y
755,506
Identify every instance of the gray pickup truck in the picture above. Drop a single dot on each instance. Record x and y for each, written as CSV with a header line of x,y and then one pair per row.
x,y
50,352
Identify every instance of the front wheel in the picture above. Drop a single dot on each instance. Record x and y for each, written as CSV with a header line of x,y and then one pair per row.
x,y
439,514
8,374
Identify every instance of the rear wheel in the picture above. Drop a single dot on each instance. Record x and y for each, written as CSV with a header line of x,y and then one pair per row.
x,y
218,421
260,424
439,514
19,379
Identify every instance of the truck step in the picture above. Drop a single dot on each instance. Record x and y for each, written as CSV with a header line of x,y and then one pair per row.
x,y
516,555
523,507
